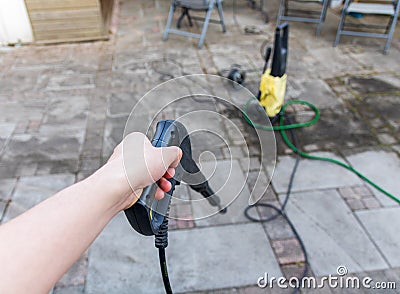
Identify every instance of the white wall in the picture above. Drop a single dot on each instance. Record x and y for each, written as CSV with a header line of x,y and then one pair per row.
x,y
14,23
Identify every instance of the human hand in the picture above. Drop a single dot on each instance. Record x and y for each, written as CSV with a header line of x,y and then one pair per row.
x,y
135,164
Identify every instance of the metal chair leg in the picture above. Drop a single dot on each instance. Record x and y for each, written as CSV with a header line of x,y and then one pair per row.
x,y
392,27
205,25
169,20
322,16
340,26
221,16
280,11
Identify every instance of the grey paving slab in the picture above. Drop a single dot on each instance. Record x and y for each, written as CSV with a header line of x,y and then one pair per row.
x,y
70,290
6,130
2,208
71,81
6,188
228,181
51,143
11,111
382,225
198,259
331,233
32,190
332,62
315,91
381,167
313,174
67,109
76,275
122,261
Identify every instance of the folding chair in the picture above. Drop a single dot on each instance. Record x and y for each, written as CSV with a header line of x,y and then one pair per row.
x,y
286,13
197,5
383,7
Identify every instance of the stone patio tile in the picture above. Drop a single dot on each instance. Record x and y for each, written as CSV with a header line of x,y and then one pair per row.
x,y
2,208
382,225
66,109
6,130
32,190
331,233
51,143
288,251
198,259
315,91
312,174
70,290
380,167
229,183
278,228
76,275
6,187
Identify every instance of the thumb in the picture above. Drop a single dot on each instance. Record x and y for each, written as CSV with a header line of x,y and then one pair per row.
x,y
171,156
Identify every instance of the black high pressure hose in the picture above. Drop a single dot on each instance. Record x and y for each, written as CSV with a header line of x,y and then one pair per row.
x,y
161,242
280,211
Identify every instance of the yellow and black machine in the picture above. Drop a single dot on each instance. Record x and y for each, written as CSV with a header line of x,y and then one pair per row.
x,y
273,80
272,88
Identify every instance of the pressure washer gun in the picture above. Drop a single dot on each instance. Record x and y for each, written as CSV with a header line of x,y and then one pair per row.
x,y
149,216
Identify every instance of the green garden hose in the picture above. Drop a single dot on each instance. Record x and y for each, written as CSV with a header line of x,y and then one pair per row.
x,y
282,128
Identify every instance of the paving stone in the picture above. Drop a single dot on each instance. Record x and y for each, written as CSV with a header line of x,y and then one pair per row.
x,y
367,85
64,109
337,128
70,290
259,186
348,193
6,130
76,275
331,233
333,176
382,224
387,105
278,229
8,170
288,251
371,202
386,139
379,167
115,268
113,134
315,91
6,188
362,191
122,103
71,81
3,206
49,144
32,190
250,163
233,152
379,277
293,270
355,204
228,182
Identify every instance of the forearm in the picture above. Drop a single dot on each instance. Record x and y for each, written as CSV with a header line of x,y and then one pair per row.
x,y
37,247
